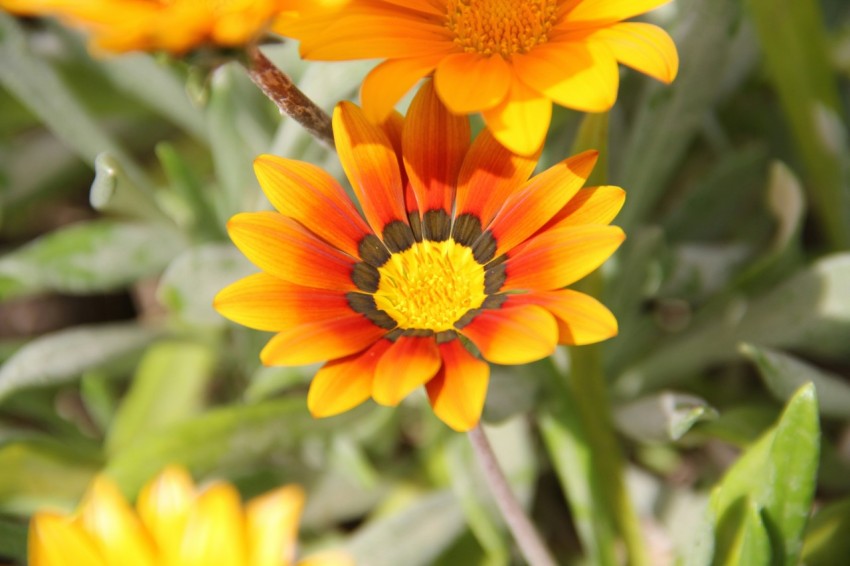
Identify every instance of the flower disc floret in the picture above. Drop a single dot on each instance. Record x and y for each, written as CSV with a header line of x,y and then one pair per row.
x,y
501,27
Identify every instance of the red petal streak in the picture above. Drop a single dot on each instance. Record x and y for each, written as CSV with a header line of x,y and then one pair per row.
x,y
371,165
538,199
320,340
434,143
344,383
265,302
513,335
406,365
559,257
581,318
490,173
285,249
312,197
458,390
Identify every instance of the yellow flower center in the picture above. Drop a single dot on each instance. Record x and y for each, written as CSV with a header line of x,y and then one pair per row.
x,y
500,26
430,285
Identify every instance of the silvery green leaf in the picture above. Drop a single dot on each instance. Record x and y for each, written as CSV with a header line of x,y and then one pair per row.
x,y
661,417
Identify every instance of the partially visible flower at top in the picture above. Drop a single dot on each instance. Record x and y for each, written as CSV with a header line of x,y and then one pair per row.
x,y
459,252
176,26
174,524
508,59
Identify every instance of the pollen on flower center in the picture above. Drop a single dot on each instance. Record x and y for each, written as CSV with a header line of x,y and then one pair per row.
x,y
500,26
430,285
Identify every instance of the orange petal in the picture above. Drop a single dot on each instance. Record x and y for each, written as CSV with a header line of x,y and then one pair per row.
x,y
458,390
285,249
265,302
521,120
57,541
434,143
643,47
591,205
272,526
345,383
609,10
320,340
111,522
513,335
490,173
559,257
307,194
470,82
572,73
406,365
389,81
531,206
164,505
215,532
581,318
371,164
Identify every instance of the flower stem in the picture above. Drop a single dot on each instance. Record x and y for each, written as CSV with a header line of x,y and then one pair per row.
x,y
282,91
530,543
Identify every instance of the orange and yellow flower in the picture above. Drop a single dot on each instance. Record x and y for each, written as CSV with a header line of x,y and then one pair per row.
x,y
459,252
176,26
174,524
507,59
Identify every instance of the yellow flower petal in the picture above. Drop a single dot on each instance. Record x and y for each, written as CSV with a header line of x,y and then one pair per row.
x,y
643,47
490,75
609,10
513,335
520,122
389,81
164,505
215,531
272,526
56,541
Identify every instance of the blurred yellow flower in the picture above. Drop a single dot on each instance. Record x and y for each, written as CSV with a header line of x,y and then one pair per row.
x,y
176,26
505,58
174,524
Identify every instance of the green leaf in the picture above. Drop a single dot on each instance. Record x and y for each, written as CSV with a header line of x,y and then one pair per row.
x,y
168,388
778,474
42,473
13,540
90,257
826,537
113,192
63,355
751,544
784,374
413,536
663,417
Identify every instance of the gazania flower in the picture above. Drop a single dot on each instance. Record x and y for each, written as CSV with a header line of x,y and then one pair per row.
x,y
508,59
170,25
459,254
174,525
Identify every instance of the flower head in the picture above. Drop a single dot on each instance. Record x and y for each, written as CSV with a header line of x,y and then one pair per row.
x,y
505,58
170,25
174,524
459,252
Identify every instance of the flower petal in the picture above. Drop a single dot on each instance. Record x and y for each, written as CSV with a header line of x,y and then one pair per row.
x,y
458,390
406,365
307,194
559,257
581,318
591,205
470,82
164,505
571,72
490,173
434,143
215,533
264,302
389,81
521,120
643,47
110,520
320,340
609,10
54,540
271,522
282,247
513,335
371,164
531,206
346,382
